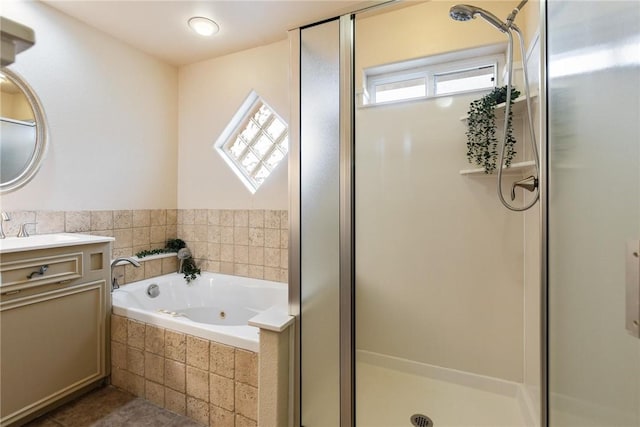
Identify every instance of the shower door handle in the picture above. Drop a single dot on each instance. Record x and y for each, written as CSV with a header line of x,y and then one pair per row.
x,y
632,316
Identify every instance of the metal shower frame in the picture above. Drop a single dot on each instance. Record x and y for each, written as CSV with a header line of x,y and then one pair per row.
x,y
347,222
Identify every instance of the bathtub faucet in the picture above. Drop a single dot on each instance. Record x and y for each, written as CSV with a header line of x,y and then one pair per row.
x,y
5,217
183,254
114,263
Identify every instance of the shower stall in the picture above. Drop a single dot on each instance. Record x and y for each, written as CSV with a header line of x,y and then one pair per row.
x,y
419,298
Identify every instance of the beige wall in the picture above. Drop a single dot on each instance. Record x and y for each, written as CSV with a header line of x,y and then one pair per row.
x,y
112,114
529,20
210,94
426,29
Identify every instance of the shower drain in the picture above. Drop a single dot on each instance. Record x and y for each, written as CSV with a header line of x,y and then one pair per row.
x,y
419,420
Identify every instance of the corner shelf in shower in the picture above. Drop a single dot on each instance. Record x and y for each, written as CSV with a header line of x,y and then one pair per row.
x,y
515,169
519,106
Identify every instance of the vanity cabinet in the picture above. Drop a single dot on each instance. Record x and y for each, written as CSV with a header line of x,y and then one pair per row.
x,y
54,307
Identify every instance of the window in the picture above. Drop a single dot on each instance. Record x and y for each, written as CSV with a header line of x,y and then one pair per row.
x,y
254,142
404,89
445,74
483,77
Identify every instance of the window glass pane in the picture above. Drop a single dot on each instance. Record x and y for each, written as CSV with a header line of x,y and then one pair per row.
x,y
249,162
460,81
405,89
262,174
274,158
262,115
275,129
262,145
250,131
237,148
283,144
257,142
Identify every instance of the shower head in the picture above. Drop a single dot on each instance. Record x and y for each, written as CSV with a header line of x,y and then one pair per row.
x,y
465,12
462,12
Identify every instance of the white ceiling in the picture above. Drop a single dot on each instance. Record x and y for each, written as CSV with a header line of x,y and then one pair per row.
x,y
159,27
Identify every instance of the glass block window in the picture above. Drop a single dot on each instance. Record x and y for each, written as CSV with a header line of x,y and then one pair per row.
x,y
255,142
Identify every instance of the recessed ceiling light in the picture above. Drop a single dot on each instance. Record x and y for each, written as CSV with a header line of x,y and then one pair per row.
x,y
203,26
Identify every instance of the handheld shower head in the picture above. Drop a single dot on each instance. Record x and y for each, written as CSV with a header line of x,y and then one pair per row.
x,y
466,12
462,12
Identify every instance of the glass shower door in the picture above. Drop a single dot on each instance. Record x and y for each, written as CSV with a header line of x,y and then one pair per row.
x,y
594,211
319,196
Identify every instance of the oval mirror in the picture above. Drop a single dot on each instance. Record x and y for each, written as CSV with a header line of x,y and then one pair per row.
x,y
23,132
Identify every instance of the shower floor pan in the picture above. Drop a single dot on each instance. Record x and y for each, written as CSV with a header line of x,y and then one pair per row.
x,y
388,397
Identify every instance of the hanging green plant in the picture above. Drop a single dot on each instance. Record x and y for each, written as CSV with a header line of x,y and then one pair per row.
x,y
482,142
190,270
172,245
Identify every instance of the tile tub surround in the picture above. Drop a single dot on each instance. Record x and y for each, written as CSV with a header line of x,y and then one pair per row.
x,y
211,383
133,230
249,243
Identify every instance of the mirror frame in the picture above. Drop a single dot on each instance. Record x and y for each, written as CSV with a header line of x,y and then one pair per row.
x,y
42,134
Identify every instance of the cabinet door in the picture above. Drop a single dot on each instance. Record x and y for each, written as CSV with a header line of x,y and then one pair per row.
x,y
51,345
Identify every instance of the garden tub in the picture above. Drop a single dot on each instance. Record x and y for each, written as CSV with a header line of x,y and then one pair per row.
x,y
216,307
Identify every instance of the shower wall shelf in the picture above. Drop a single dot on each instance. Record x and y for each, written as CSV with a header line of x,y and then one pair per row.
x,y
515,169
519,106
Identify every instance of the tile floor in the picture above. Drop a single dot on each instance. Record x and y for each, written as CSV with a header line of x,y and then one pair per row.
x,y
111,407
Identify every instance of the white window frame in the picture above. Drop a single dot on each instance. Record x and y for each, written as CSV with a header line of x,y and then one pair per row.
x,y
461,68
429,67
235,127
